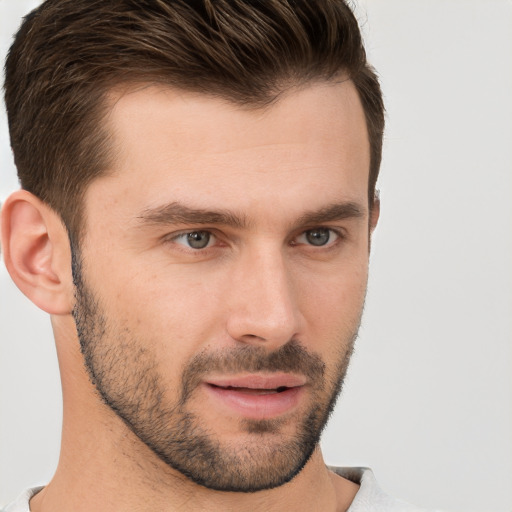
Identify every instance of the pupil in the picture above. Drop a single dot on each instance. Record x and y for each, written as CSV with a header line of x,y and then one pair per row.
x,y
318,236
198,239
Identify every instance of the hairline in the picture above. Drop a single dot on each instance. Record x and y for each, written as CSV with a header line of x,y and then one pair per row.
x,y
114,93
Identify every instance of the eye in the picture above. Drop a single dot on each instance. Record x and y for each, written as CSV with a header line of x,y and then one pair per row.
x,y
195,239
317,237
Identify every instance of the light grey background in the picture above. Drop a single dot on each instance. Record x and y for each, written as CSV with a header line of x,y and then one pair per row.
x,y
428,402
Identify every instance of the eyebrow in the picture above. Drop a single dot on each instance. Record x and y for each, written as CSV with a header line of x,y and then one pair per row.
x,y
178,213
333,212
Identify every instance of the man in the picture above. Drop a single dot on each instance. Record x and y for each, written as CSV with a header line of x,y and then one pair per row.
x,y
198,197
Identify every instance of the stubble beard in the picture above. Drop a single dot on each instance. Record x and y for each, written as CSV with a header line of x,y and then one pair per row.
x,y
128,378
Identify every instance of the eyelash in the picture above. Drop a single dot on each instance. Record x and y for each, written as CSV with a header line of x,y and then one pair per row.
x,y
339,235
328,244
186,234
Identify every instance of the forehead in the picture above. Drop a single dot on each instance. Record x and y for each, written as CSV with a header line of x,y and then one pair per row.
x,y
172,144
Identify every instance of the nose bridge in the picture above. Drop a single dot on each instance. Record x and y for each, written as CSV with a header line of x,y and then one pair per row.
x,y
263,303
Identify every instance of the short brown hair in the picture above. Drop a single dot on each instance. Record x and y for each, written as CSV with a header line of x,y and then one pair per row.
x,y
68,54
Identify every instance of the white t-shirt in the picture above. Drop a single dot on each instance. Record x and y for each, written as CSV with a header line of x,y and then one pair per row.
x,y
369,498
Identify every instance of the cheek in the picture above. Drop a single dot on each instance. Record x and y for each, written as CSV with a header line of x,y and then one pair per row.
x,y
171,315
335,300
333,318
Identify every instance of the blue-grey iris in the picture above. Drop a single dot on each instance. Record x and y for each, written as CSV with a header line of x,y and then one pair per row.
x,y
318,236
198,239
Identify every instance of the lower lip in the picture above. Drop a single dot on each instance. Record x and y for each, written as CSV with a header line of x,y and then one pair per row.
x,y
257,406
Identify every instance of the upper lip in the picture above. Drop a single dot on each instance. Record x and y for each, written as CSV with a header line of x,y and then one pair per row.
x,y
258,381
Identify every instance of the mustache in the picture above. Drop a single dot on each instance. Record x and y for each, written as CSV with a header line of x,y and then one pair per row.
x,y
289,358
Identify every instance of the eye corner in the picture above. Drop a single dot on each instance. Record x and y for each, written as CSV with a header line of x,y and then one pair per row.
x,y
318,237
191,239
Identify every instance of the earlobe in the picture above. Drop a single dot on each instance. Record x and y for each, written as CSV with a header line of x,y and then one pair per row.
x,y
36,252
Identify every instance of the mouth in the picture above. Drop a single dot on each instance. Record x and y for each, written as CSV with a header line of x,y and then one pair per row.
x,y
253,391
257,396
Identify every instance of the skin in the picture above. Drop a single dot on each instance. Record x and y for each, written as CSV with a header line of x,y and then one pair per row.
x,y
258,284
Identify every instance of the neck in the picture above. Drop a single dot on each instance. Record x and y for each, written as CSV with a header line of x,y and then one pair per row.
x,y
102,474
104,466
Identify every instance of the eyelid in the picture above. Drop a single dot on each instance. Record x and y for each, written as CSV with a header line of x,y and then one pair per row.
x,y
174,237
338,232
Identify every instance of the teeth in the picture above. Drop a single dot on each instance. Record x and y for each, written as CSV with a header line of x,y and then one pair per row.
x,y
253,391
258,391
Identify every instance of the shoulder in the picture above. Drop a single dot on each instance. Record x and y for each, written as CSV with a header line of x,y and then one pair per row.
x,y
370,497
21,504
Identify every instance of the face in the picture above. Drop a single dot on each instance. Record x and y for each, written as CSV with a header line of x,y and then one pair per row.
x,y
221,278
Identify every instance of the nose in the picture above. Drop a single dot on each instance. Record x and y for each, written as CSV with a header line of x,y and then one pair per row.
x,y
263,306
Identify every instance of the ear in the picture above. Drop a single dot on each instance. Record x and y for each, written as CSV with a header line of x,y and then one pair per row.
x,y
37,252
374,218
374,212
